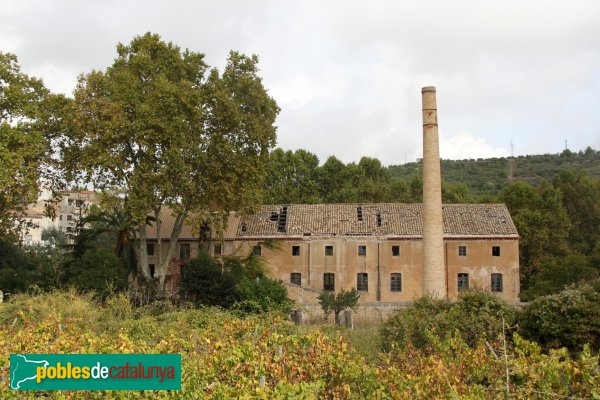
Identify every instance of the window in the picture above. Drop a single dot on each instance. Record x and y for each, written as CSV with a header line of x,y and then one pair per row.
x,y
60,217
396,282
463,281
328,250
257,250
362,282
151,268
329,281
379,219
362,250
217,250
462,251
184,251
295,250
496,282
359,214
69,217
150,249
395,251
244,227
496,251
296,278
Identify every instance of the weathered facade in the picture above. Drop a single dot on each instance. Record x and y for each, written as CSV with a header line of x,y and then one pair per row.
x,y
392,253
376,248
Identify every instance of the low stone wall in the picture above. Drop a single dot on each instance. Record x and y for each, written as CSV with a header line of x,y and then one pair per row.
x,y
367,313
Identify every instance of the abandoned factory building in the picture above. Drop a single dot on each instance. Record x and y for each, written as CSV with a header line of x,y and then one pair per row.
x,y
391,253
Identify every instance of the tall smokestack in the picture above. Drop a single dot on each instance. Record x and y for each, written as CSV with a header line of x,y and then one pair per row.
x,y
434,272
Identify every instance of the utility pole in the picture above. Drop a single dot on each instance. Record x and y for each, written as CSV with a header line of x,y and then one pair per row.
x,y
510,163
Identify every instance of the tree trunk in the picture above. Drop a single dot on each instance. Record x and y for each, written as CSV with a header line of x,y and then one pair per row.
x,y
164,263
143,253
337,317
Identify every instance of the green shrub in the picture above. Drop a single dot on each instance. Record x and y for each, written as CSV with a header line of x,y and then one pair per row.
x,y
570,318
265,294
475,316
335,303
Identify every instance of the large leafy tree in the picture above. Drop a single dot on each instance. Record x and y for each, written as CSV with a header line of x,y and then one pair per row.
x,y
174,134
25,126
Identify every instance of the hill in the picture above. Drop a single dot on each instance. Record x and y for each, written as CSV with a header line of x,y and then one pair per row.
x,y
490,175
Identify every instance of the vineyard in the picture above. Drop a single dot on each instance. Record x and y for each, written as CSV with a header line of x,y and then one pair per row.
x,y
227,355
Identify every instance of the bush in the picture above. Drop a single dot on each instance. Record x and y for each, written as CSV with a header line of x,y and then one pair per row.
x,y
266,294
570,318
476,315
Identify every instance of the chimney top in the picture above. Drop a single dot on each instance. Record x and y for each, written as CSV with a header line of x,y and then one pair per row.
x,y
428,89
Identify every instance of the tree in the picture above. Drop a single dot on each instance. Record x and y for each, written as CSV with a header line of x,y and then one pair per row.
x,y
292,177
336,303
24,127
174,135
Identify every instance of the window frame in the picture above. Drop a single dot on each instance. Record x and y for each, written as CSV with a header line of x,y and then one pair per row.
x,y
462,281
150,249
494,283
462,251
495,251
296,251
293,276
181,252
393,285
362,282
396,251
329,251
362,250
329,281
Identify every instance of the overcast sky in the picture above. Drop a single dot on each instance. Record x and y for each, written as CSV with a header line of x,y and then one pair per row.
x,y
348,74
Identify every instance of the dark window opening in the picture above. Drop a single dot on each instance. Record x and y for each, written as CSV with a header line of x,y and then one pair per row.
x,y
497,283
328,250
379,219
69,217
463,281
496,251
362,282
329,281
462,251
362,250
359,214
395,251
257,250
295,250
244,227
150,249
184,251
151,268
396,282
217,249
296,278
274,216
282,220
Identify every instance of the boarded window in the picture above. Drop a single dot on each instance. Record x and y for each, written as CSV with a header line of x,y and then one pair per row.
x,y
362,282
362,250
462,251
496,251
395,251
184,251
496,283
328,250
329,281
396,282
463,281
296,278
295,250
150,249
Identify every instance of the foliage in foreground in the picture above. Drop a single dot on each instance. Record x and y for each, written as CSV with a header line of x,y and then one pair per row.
x,y
476,315
225,356
570,318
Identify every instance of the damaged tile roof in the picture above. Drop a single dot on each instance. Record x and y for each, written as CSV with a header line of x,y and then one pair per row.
x,y
380,219
386,219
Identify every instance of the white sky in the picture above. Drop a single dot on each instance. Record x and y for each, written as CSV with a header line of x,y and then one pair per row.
x,y
348,74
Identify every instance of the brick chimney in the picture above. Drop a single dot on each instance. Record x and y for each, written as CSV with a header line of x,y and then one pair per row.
x,y
434,271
